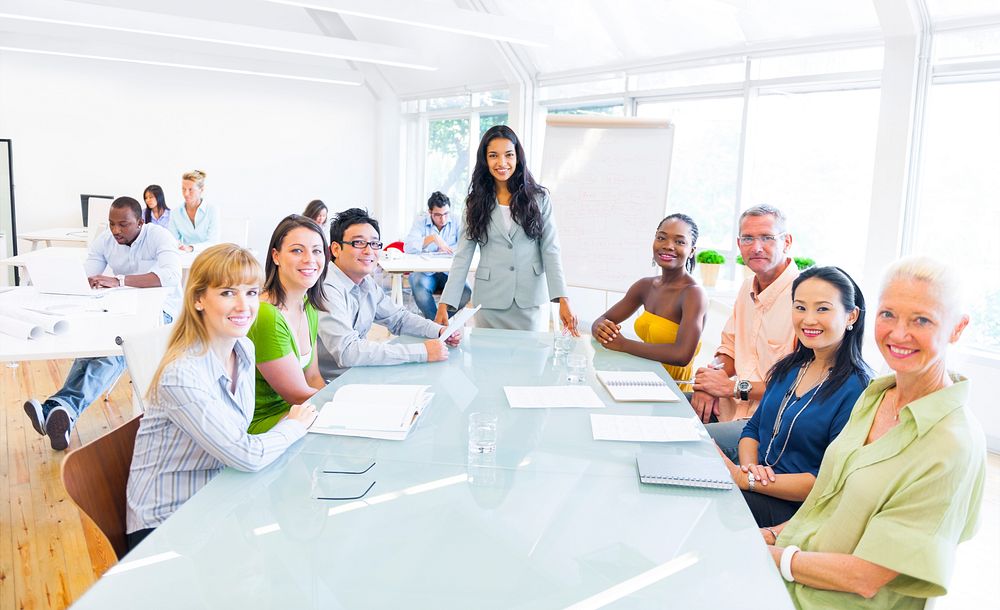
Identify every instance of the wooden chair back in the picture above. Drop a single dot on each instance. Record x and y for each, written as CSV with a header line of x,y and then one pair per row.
x,y
95,477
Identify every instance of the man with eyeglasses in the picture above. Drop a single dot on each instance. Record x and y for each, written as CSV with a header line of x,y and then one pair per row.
x,y
355,301
434,232
758,333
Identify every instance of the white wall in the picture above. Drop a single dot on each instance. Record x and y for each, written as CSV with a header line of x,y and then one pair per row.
x,y
268,145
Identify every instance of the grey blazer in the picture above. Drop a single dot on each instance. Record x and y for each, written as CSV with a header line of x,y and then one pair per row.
x,y
513,268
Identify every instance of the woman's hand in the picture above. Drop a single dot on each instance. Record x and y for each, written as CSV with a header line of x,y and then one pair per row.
x,y
567,318
763,474
305,414
605,331
442,315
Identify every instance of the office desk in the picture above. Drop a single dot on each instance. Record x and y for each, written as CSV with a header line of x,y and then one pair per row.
x,y
21,260
552,520
401,264
90,334
77,235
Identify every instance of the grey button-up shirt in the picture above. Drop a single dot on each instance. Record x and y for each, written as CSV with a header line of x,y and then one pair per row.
x,y
352,310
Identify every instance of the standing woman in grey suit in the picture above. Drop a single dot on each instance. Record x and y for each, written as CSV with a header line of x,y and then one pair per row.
x,y
509,218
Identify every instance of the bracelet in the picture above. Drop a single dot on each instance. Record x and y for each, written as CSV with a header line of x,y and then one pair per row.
x,y
751,482
785,565
772,534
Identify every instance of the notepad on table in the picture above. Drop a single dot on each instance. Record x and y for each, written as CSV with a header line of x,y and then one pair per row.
x,y
648,428
374,411
549,397
636,386
683,470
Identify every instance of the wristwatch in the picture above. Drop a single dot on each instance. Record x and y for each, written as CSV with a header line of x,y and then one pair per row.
x,y
751,481
743,389
121,280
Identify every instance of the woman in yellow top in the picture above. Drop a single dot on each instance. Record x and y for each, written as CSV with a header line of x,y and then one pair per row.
x,y
674,305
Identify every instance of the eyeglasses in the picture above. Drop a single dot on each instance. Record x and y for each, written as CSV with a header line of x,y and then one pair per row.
x,y
765,240
441,215
360,244
352,497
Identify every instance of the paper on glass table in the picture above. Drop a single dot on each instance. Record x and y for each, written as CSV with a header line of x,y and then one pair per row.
x,y
457,322
643,428
552,397
373,411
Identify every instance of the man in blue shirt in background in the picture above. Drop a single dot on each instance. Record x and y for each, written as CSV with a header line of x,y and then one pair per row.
x,y
434,232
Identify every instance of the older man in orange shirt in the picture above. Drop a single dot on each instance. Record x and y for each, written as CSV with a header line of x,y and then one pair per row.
x,y
758,333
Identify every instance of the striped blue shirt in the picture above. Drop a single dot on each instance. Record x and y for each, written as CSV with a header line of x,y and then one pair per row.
x,y
195,429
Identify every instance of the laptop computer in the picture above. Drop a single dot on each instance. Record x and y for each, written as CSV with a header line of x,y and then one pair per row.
x,y
61,276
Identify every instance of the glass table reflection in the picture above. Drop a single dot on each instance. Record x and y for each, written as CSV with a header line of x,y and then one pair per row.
x,y
552,519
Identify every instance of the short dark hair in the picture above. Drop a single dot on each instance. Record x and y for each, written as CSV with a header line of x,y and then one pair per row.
x,y
348,218
130,204
438,200
272,283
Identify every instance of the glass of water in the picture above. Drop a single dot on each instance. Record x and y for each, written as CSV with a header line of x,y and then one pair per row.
x,y
562,344
576,368
482,433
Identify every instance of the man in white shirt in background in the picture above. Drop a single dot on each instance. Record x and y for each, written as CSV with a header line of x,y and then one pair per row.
x,y
355,301
434,232
140,256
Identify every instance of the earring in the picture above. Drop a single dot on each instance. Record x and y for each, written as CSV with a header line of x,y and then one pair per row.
x,y
198,307
850,327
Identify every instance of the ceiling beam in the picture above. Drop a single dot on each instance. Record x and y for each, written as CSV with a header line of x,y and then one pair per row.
x,y
436,17
60,12
174,58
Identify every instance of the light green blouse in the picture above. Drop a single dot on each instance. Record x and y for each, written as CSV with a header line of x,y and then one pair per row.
x,y
903,502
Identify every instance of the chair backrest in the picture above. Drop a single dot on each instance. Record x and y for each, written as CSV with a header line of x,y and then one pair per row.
x,y
98,209
235,229
396,245
143,353
96,475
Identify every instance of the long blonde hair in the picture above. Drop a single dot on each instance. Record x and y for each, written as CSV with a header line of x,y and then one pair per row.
x,y
217,266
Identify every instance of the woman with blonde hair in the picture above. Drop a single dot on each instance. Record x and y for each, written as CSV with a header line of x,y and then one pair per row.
x,y
902,484
196,224
201,398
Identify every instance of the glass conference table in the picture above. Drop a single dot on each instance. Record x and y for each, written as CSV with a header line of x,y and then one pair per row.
x,y
552,519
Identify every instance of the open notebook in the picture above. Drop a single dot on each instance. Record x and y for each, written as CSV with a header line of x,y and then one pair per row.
x,y
683,470
636,386
374,411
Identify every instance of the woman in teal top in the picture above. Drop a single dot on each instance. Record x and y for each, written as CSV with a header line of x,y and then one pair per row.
x,y
284,333
902,485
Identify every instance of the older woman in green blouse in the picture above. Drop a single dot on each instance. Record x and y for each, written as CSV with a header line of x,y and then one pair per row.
x,y
902,484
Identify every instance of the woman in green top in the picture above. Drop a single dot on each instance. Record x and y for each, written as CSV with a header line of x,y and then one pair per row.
x,y
902,484
284,333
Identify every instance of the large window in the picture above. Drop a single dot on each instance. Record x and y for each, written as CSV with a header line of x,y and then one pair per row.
x,y
958,215
704,166
812,155
447,166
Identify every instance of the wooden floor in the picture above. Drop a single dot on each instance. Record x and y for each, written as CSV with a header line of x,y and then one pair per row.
x,y
50,554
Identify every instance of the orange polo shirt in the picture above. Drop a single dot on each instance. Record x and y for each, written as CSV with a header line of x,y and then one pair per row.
x,y
758,334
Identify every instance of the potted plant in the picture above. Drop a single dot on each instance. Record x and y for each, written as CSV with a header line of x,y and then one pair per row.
x,y
710,261
747,272
803,262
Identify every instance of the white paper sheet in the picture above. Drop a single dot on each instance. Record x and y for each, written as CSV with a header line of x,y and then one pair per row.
x,y
457,322
374,411
552,397
19,329
648,428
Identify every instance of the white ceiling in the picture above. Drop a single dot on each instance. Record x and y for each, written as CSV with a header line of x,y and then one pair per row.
x,y
319,43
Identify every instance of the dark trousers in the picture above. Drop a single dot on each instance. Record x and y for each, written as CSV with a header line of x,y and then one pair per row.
x,y
138,536
769,511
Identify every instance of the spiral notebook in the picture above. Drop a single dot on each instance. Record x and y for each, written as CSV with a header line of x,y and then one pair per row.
x,y
636,386
683,470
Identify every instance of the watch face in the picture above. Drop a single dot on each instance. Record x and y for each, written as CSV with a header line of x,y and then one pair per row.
x,y
744,386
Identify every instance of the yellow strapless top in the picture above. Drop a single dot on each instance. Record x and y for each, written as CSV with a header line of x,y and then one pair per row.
x,y
652,328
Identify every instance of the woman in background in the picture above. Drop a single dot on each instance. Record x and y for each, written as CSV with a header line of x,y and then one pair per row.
x,y
673,304
903,483
808,398
316,210
284,333
157,211
196,224
509,218
200,400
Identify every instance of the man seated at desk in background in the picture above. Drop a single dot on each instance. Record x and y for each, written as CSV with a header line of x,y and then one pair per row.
x,y
140,256
355,301
758,333
437,232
